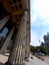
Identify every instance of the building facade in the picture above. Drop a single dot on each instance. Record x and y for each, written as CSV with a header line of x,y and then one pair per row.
x,y
46,40
15,21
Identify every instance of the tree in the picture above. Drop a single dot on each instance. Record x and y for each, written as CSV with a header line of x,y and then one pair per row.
x,y
44,50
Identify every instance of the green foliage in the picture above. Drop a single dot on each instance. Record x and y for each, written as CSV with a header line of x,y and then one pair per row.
x,y
44,50
39,48
32,48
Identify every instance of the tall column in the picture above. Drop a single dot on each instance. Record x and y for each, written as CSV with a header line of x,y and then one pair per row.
x,y
4,21
4,47
17,53
27,52
21,40
27,43
28,39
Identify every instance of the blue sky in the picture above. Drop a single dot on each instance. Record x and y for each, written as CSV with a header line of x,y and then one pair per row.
x,y
39,20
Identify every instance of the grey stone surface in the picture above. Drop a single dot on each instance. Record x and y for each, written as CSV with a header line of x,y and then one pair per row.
x,y
35,61
47,59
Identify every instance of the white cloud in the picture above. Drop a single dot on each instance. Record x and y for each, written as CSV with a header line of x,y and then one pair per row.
x,y
33,19
34,38
40,8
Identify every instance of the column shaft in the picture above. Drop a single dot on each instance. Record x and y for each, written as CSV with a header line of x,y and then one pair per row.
x,y
6,43
4,21
27,41
19,43
21,40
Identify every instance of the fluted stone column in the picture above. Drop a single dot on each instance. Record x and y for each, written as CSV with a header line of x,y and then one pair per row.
x,y
21,40
6,43
17,53
27,44
4,21
27,51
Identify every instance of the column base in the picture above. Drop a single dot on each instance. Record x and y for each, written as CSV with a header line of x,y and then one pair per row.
x,y
27,59
7,63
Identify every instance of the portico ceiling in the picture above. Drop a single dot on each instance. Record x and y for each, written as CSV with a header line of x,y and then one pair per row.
x,y
15,8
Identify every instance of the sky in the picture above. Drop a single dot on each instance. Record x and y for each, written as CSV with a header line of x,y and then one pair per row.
x,y
39,20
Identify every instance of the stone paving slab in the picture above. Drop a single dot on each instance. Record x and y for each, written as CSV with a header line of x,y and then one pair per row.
x,y
3,59
47,59
35,61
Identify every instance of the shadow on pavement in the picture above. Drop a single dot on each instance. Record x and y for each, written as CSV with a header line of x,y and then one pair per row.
x,y
24,64
1,63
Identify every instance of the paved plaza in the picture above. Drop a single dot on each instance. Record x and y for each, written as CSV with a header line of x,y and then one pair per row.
x,y
47,60
3,59
34,61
